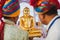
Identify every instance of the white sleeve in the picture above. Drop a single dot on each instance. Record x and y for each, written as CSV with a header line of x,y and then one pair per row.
x,y
54,33
52,36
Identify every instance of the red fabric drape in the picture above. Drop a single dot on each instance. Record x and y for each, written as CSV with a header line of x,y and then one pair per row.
x,y
1,21
2,30
33,2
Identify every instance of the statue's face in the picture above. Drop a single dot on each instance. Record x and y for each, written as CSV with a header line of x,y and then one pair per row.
x,y
26,11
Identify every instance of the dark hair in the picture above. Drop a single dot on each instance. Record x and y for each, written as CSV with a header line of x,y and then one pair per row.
x,y
51,11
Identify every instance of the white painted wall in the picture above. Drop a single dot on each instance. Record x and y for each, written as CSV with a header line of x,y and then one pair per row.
x,y
58,11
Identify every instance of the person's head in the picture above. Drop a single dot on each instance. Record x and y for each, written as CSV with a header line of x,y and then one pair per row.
x,y
11,16
14,19
46,12
26,11
11,11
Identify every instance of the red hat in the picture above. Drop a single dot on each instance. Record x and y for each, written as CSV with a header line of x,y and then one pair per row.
x,y
56,3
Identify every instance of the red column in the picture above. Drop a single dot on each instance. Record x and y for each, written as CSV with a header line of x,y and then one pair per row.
x,y
1,5
1,22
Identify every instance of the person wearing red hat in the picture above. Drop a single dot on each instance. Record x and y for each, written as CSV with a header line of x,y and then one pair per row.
x,y
48,15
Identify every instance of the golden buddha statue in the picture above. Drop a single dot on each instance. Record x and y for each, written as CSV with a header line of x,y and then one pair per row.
x,y
26,21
